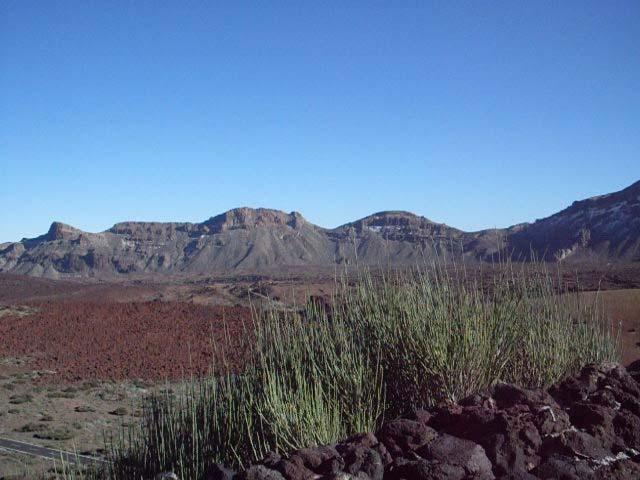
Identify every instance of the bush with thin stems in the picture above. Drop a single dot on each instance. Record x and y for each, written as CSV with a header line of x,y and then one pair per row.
x,y
385,346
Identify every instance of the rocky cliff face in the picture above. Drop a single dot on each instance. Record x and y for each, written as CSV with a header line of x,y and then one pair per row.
x,y
240,240
607,226
261,240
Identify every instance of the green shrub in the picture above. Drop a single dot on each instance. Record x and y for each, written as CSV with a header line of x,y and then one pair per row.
x,y
32,427
21,398
55,434
62,394
388,345
120,411
85,409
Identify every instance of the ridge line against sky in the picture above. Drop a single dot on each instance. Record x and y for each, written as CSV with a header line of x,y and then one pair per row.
x,y
474,115
346,221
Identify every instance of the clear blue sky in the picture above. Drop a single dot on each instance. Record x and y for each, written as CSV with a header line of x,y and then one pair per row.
x,y
476,114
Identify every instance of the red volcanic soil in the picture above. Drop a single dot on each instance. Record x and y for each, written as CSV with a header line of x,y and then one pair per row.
x,y
21,288
147,340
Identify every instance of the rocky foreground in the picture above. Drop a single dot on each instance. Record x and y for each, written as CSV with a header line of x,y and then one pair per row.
x,y
586,427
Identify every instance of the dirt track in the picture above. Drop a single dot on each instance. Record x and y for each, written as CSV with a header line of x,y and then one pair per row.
x,y
147,340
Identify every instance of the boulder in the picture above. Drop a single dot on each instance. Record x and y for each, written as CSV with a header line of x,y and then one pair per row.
x,y
421,469
559,467
359,459
324,460
219,472
574,443
403,435
294,470
458,452
509,437
363,441
626,426
260,472
619,470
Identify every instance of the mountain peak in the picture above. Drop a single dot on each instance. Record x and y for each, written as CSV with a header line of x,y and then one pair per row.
x,y
634,187
249,218
630,191
393,218
253,240
61,231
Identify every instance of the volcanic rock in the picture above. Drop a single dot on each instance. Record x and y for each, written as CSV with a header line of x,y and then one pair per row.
x,y
584,428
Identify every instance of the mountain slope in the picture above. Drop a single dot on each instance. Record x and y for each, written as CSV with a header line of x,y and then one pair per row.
x,y
261,240
238,240
606,226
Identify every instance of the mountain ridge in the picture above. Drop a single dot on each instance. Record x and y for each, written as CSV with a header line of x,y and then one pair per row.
x,y
603,228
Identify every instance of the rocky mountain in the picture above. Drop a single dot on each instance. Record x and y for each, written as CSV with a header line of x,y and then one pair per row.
x,y
606,226
240,240
246,240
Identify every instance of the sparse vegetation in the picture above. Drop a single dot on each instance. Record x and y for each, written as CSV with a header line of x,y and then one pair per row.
x,y
21,398
33,427
388,345
55,434
16,310
89,384
62,394
84,409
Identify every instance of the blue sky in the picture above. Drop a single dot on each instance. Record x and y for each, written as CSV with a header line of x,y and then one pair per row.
x,y
477,114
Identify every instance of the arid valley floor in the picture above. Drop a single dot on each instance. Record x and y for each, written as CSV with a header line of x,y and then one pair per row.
x,y
76,358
